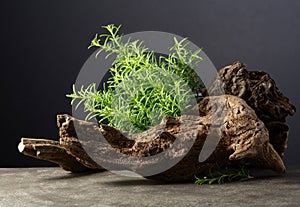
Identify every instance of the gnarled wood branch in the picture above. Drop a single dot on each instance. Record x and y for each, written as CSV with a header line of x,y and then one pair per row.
x,y
261,93
252,131
244,139
52,151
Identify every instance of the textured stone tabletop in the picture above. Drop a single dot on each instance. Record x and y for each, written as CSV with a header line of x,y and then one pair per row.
x,y
55,187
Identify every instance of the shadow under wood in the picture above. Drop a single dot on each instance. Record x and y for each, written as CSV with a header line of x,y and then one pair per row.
x,y
141,182
132,182
75,175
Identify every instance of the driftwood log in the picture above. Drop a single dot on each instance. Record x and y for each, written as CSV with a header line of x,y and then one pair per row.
x,y
253,131
261,93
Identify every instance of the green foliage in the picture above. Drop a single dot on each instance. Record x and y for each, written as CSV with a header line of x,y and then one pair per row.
x,y
96,102
225,175
142,88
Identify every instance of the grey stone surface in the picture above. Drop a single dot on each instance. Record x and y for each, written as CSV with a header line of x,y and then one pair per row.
x,y
55,187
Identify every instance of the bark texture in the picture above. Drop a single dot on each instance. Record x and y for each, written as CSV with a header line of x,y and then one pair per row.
x,y
244,138
248,124
52,151
261,93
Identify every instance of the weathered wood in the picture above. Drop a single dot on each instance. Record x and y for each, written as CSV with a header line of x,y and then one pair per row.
x,y
253,131
245,139
69,141
52,151
261,93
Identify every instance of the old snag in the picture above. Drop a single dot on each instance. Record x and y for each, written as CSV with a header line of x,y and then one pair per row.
x,y
252,130
261,93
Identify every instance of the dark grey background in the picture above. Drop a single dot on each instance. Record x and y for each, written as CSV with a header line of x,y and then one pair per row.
x,y
44,44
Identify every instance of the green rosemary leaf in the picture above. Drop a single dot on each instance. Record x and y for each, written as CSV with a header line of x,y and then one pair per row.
x,y
224,175
142,88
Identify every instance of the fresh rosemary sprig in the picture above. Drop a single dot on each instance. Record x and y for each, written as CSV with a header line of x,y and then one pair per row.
x,y
224,176
142,88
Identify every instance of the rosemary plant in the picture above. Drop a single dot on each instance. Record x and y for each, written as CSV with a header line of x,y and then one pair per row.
x,y
143,87
224,175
